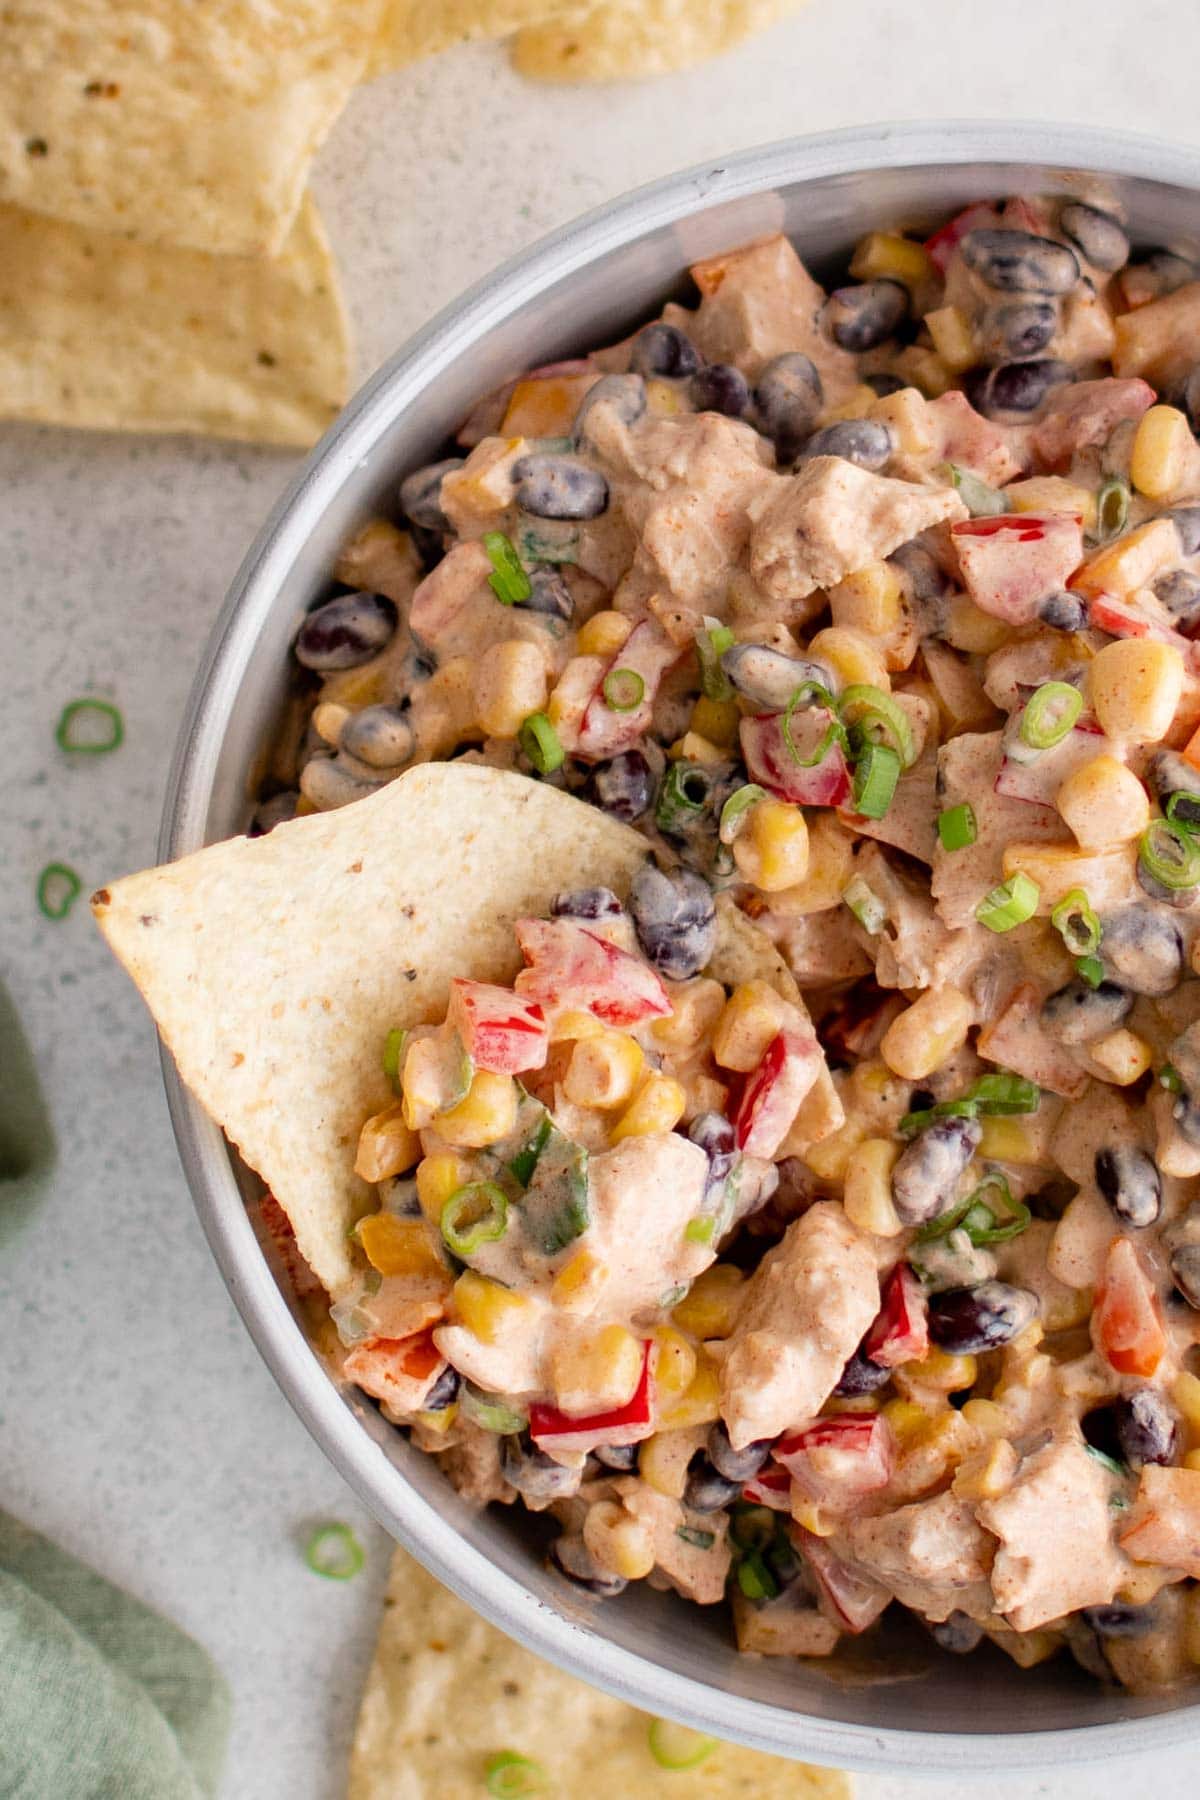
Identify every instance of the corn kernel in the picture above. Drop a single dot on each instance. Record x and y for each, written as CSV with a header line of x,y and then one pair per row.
x,y
1065,1308
1057,869
869,600
908,1420
1141,1582
988,1473
859,1403
939,1371
1120,568
1008,1140
603,634
857,404
440,1421
852,655
675,1364
328,720
662,401
771,849
510,683
927,1033
572,1025
439,1176
716,720
1122,1055
709,1309
488,1112
387,1145
657,1106
906,415
1192,1460
700,1405
486,1309
1135,686
579,1284
867,1195
544,406
604,1071
663,1460
969,628
923,369
1185,1392
830,1158
809,1515
1103,802
987,1417
397,1246
591,1373
696,1006
830,866
1164,463
573,693
618,1542
693,748
752,1016
884,255
952,337
423,1078
1052,494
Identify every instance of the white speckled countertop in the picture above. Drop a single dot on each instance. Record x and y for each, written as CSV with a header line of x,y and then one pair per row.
x,y
137,1424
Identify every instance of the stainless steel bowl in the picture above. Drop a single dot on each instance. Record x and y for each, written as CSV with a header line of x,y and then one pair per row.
x,y
586,284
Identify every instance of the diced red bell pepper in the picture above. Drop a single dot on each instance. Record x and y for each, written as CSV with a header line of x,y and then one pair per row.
x,y
900,1333
572,967
499,1031
1105,615
853,1601
772,765
399,1371
555,1430
942,245
1010,564
1127,1319
647,653
772,1487
834,1460
773,1092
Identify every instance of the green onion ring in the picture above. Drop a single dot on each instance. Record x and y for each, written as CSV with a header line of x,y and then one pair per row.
x,y
540,744
508,580
835,732
875,776
393,1056
1011,903
711,645
677,1746
1112,508
1107,1462
868,709
1090,969
508,1776
1170,855
733,813
1076,923
623,690
1050,713
334,1552
474,1215
866,905
82,709
58,888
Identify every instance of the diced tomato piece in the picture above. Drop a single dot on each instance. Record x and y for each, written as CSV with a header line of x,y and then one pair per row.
x,y
772,1487
1127,1319
850,1599
573,967
647,653
900,1333
772,765
555,1430
942,245
772,1094
499,1031
1010,564
1165,1524
836,1459
398,1371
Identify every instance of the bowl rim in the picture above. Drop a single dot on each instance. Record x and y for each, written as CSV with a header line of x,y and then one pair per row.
x,y
346,446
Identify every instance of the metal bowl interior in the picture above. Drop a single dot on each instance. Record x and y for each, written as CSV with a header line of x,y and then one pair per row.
x,y
587,284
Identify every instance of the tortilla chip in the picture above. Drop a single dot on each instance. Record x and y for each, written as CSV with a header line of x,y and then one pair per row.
x,y
447,1691
176,121
103,332
275,966
744,952
411,29
627,38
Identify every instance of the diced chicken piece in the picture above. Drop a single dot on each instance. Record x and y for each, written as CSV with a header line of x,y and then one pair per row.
x,y
473,1465
933,1555
1079,1247
789,1625
968,766
993,452
1103,1116
694,1567
473,496
917,949
832,518
380,559
1158,341
818,1116
1159,1659
1084,415
1087,333
1165,1524
1010,564
455,613
1056,1542
641,1196
806,1307
1017,1039
929,1462
757,303
910,822
512,1365
820,948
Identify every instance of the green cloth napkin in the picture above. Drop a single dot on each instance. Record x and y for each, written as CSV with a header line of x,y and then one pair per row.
x,y
100,1698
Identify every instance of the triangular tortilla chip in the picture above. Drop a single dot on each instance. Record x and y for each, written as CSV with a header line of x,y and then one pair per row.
x,y
624,40
275,966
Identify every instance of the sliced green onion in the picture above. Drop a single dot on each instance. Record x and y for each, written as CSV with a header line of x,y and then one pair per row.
x,y
508,580
623,690
393,1056
875,776
1170,1078
1009,904
1076,923
676,1747
1183,808
980,500
751,1527
868,711
58,889
1112,508
526,1160
474,1215
1170,855
978,1219
1090,969
692,1534
733,813
1107,1462
834,733
1050,714
865,904
711,645
101,712
540,743
1004,1093
701,1229
913,1122
334,1552
957,828
508,1776
754,1578
683,796
489,1412
544,544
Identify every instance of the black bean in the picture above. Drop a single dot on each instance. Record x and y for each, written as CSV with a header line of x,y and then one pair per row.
x,y
533,1473
1097,234
714,1134
788,396
1179,592
1169,270
1063,611
444,1391
1077,1013
1185,1269
1147,1431
1130,1182
862,1376
559,487
270,813
707,1490
1012,333
421,494
968,1319
735,1465
675,919
586,903
572,1558
1119,1619
663,350
958,1634
621,1457
622,395
861,317
1099,1428
381,736
624,787
927,578
866,442
1143,948
1018,262
720,388
1015,387
550,595
925,1177
346,631
1087,1649
767,677
884,384
1186,520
